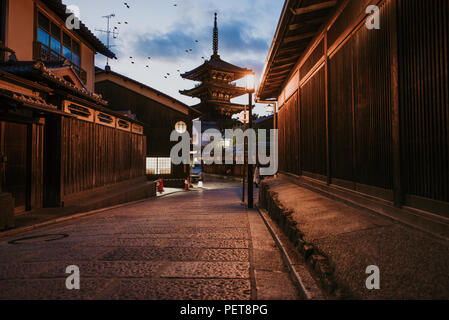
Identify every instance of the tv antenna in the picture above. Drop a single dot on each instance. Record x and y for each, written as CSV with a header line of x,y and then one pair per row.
x,y
108,32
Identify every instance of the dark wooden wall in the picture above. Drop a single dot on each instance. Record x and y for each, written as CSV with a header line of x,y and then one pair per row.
x,y
94,155
424,97
159,120
343,127
37,165
313,125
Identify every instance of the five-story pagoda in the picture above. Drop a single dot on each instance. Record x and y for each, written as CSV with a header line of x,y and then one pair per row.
x,y
217,86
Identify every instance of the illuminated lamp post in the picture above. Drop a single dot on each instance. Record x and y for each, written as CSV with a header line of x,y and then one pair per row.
x,y
250,84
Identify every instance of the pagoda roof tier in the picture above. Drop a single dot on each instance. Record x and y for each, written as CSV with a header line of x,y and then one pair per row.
x,y
222,107
215,64
200,90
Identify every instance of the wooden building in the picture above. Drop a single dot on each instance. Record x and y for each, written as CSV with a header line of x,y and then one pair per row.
x,y
58,138
217,86
362,108
159,113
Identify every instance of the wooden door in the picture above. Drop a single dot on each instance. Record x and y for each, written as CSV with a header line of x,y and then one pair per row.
x,y
14,136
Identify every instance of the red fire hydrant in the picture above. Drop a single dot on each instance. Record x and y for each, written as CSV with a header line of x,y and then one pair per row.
x,y
186,183
160,185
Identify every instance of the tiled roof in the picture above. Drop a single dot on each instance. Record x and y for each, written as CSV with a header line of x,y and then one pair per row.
x,y
39,69
215,63
60,9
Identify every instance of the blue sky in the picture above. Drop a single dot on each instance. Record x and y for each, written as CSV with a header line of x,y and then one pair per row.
x,y
163,31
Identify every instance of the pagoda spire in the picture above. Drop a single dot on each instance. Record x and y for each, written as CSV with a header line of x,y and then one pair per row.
x,y
215,40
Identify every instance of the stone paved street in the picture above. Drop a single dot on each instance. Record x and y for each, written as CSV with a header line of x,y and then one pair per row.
x,y
196,245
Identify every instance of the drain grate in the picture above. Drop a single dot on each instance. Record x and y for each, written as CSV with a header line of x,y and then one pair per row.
x,y
39,238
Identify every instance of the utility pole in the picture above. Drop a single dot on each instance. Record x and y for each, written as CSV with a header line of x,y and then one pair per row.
x,y
108,34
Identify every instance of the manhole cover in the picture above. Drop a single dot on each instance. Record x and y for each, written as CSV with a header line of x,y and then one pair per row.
x,y
39,238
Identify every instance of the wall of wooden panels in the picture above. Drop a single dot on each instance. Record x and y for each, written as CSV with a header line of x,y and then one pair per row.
x,y
372,104
370,149
424,98
313,124
289,122
341,114
37,162
94,155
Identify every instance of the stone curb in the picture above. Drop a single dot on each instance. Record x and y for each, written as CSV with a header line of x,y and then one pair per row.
x,y
297,278
317,261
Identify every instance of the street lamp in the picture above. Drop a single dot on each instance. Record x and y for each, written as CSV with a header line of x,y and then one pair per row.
x,y
250,84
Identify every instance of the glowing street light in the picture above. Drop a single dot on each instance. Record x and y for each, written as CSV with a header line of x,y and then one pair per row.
x,y
250,82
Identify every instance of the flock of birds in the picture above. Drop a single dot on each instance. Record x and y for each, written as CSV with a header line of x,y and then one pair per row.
x,y
132,59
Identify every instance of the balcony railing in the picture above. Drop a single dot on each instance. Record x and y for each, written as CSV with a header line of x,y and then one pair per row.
x,y
44,53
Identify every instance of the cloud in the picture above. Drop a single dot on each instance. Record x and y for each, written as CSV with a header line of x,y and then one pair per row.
x,y
233,38
235,35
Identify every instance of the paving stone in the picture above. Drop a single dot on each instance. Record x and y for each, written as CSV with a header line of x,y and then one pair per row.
x,y
51,289
65,254
197,235
152,254
206,270
224,255
208,243
10,271
148,250
269,260
107,269
274,286
180,289
10,255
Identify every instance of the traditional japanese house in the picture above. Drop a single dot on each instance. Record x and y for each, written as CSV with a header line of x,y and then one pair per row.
x,y
159,113
362,96
58,139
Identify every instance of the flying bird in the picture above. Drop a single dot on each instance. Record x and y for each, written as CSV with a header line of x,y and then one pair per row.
x,y
127,5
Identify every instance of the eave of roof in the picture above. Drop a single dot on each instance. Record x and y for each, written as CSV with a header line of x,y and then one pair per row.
x,y
38,70
234,91
221,104
300,22
215,63
60,9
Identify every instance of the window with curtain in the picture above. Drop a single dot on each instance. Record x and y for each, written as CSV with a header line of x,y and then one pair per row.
x,y
158,166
